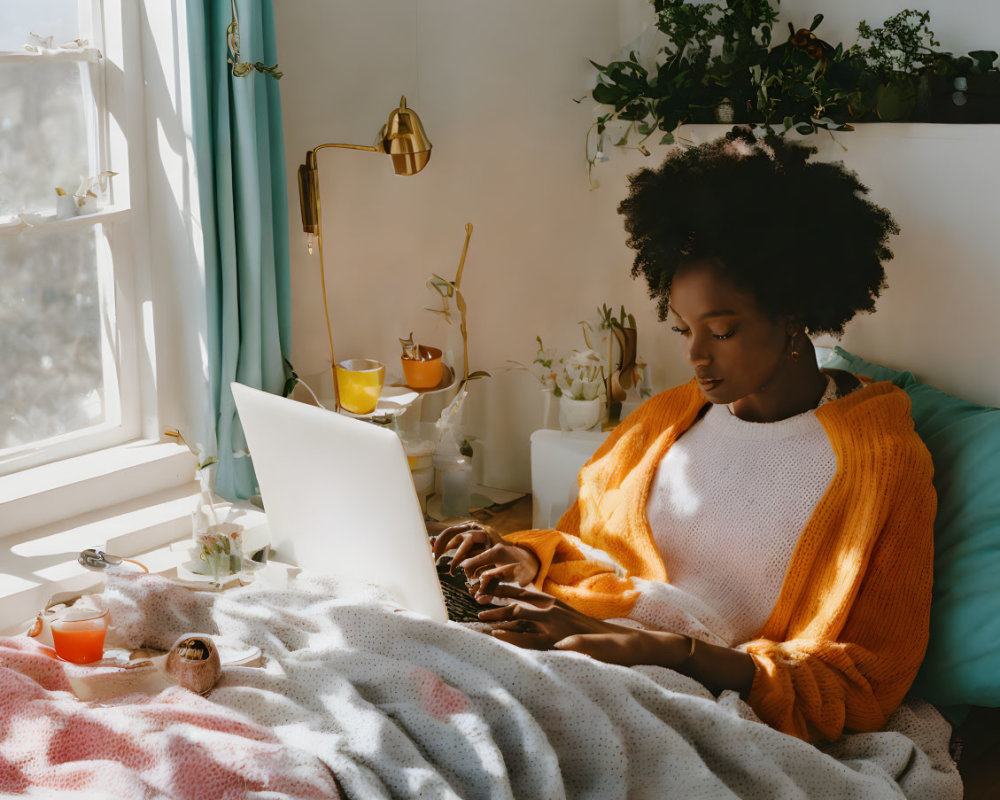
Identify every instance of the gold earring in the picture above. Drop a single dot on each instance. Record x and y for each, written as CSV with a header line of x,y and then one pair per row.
x,y
795,351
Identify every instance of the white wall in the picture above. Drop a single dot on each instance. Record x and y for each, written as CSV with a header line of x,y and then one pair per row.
x,y
494,83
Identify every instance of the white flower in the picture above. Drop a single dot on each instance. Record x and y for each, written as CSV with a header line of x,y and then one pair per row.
x,y
582,376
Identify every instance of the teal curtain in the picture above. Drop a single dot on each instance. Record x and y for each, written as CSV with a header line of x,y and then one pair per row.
x,y
239,151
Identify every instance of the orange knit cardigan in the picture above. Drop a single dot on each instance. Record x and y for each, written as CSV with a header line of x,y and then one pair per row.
x,y
849,630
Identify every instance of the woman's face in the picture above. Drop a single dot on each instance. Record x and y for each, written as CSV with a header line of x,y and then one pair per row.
x,y
737,351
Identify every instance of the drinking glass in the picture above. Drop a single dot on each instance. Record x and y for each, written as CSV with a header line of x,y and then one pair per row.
x,y
359,383
78,635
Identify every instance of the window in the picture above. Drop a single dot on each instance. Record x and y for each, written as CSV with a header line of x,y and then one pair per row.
x,y
67,304
98,309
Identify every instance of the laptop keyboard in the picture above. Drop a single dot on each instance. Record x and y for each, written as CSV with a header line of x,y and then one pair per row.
x,y
461,605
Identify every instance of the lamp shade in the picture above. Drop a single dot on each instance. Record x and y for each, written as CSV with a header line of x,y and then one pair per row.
x,y
403,138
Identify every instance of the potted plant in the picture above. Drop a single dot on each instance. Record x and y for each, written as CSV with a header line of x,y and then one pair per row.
x,y
717,64
581,386
422,365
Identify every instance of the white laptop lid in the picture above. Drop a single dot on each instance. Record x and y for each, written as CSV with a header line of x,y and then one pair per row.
x,y
339,498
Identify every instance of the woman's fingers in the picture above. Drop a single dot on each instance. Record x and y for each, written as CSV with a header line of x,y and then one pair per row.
x,y
487,558
532,596
487,581
496,614
442,544
471,540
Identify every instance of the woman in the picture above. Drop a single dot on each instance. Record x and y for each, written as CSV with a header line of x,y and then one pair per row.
x,y
768,524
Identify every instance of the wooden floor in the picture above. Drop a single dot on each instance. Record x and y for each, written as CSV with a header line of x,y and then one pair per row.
x,y
979,763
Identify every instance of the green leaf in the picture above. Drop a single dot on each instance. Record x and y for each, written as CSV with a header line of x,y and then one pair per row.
x,y
605,94
895,101
788,122
984,58
440,285
804,129
668,138
481,373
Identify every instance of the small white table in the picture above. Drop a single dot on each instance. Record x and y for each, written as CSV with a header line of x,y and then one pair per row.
x,y
556,458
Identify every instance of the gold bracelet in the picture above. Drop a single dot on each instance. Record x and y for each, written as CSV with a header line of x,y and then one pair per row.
x,y
691,651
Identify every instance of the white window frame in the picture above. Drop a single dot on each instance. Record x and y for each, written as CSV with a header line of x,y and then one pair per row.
x,y
132,488
110,69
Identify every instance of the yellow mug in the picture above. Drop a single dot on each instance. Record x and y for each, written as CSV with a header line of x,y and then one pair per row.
x,y
359,383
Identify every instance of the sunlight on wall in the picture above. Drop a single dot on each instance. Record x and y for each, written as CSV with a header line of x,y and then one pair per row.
x,y
495,85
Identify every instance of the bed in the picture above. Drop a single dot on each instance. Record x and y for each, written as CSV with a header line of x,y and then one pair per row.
x,y
365,700
371,701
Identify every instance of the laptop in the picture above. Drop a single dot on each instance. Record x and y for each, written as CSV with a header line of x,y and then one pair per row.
x,y
340,500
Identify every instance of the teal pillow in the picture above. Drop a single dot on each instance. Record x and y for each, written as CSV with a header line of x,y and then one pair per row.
x,y
841,359
962,665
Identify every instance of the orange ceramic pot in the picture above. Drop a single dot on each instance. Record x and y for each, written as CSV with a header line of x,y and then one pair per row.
x,y
425,372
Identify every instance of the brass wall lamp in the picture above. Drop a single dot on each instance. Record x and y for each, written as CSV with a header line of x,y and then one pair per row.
x,y
403,139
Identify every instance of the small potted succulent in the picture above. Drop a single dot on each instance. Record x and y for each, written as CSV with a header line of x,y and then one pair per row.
x,y
422,365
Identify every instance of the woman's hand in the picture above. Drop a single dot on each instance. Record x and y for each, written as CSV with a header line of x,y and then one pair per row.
x,y
541,622
485,556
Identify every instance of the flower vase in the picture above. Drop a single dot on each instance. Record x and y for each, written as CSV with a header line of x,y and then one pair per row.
x,y
65,206
550,409
579,415
218,565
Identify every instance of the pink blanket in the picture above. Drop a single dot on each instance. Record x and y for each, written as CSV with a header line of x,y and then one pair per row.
x,y
175,744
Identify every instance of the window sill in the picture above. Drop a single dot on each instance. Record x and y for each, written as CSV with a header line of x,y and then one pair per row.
x,y
43,495
130,500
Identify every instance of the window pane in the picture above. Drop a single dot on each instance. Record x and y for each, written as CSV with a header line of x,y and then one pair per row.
x,y
50,336
43,135
55,18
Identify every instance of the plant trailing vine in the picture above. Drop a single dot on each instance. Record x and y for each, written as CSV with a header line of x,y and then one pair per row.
x,y
242,69
718,65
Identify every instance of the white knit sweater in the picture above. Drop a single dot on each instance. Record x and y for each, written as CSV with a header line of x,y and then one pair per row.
x,y
726,509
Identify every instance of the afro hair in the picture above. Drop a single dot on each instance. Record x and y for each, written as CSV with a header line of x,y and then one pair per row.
x,y
798,235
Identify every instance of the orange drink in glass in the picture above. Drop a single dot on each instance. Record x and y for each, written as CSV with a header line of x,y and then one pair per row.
x,y
78,635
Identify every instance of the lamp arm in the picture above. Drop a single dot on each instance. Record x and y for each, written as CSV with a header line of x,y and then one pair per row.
x,y
369,148
309,187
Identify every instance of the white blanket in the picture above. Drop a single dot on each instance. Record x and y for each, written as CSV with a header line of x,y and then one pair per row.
x,y
399,706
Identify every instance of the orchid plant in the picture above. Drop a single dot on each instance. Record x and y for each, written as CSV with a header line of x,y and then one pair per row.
x,y
582,376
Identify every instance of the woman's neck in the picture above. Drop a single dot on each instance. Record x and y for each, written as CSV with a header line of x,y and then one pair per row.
x,y
797,388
